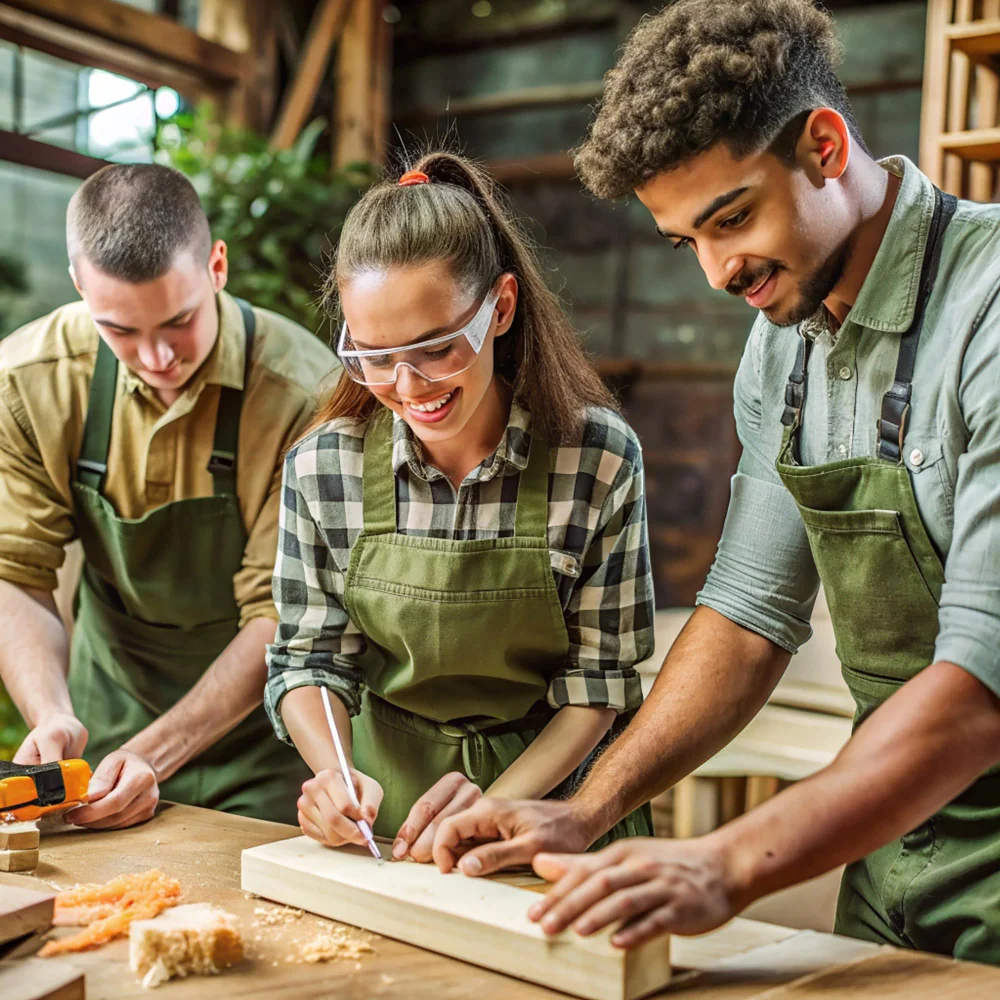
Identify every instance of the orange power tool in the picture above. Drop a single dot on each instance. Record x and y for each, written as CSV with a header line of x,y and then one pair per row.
x,y
28,791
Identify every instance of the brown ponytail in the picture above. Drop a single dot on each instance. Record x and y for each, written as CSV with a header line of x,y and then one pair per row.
x,y
462,218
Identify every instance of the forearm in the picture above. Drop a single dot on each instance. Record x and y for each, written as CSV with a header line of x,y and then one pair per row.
x,y
556,753
714,680
305,718
34,656
919,750
224,696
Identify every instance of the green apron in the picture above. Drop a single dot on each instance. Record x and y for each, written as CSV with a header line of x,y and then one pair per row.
x,y
937,888
155,609
463,638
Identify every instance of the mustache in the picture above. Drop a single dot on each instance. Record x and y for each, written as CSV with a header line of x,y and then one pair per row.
x,y
746,279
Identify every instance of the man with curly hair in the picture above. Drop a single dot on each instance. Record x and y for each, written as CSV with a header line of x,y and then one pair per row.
x,y
868,405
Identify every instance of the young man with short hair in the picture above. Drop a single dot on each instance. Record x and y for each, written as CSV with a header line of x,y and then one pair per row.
x,y
868,405
150,421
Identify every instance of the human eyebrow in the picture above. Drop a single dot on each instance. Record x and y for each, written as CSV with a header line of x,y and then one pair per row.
x,y
177,317
111,325
716,204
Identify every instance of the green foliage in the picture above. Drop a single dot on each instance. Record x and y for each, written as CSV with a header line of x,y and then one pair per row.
x,y
279,212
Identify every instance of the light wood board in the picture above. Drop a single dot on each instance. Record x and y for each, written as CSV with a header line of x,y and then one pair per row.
x,y
477,920
24,911
41,979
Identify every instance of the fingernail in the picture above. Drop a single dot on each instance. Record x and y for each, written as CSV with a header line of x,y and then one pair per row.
x,y
399,849
549,925
583,928
535,912
470,866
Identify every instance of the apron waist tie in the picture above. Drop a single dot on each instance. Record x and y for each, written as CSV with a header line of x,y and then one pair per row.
x,y
479,742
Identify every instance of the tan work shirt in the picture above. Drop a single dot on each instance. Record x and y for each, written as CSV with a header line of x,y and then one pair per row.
x,y
157,454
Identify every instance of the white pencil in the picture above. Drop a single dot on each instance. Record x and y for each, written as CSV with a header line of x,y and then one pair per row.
x,y
365,829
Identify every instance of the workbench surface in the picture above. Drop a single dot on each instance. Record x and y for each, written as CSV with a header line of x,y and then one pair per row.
x,y
202,849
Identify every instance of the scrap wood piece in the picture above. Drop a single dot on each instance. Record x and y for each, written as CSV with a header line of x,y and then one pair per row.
x,y
107,911
19,861
477,920
19,836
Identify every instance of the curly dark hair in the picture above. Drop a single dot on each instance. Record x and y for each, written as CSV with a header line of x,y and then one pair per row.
x,y
744,72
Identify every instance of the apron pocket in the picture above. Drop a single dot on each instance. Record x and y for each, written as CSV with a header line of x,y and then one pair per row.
x,y
884,615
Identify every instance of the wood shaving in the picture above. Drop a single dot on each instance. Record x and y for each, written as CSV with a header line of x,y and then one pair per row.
x,y
275,916
107,911
338,943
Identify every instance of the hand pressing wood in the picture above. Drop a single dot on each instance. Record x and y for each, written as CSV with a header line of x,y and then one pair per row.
x,y
474,919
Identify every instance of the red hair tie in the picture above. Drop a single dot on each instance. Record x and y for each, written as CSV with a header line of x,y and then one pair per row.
x,y
412,177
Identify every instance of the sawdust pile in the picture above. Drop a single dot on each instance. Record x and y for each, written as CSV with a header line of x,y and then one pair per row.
x,y
107,911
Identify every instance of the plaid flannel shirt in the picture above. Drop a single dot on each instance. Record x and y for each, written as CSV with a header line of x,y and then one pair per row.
x,y
597,535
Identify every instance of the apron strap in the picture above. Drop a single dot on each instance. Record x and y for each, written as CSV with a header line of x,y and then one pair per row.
x,y
896,402
795,393
222,464
379,489
532,517
92,465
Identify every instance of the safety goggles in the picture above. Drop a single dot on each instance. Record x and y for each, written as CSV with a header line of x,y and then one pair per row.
x,y
433,360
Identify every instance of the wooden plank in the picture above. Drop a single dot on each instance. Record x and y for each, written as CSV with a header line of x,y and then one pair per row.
x,y
24,911
982,176
760,789
956,120
933,103
476,920
974,144
549,96
149,33
324,29
897,975
63,42
533,169
41,979
696,806
382,86
976,39
20,149
732,798
354,101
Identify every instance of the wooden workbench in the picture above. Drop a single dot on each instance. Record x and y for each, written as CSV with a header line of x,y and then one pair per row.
x,y
202,849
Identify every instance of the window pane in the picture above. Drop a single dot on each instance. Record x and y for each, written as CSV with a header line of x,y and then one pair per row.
x,y
8,54
51,91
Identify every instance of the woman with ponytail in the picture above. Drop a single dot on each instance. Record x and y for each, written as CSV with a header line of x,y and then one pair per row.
x,y
463,555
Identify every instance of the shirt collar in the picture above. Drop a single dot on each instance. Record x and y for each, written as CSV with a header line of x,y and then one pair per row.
x,y
888,297
512,451
224,364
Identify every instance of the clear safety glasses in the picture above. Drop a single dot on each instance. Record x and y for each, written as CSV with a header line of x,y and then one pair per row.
x,y
433,360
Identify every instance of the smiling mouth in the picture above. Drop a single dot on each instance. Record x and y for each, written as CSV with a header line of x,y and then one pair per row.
x,y
434,405
760,284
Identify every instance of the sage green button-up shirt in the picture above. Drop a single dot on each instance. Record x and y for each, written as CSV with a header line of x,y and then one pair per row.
x,y
764,577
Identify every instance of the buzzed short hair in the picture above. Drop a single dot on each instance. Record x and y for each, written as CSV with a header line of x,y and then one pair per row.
x,y
132,220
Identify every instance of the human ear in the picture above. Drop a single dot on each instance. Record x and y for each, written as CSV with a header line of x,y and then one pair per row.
x,y
218,265
824,147
506,303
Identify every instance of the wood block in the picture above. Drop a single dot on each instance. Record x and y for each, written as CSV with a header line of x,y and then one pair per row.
x,y
41,979
18,836
18,861
477,920
24,911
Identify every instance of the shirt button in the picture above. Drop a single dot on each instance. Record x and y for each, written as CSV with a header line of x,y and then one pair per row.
x,y
916,457
842,448
845,373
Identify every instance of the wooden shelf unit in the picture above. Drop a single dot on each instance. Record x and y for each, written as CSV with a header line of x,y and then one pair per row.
x,y
960,119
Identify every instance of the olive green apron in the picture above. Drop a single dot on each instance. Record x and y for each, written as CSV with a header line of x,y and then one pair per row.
x,y
937,888
463,638
155,609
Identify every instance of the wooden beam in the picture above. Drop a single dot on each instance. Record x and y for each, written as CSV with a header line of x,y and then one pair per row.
x,y
73,45
524,169
515,100
354,111
957,115
300,96
982,176
382,86
27,152
974,144
933,104
482,921
977,39
148,33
